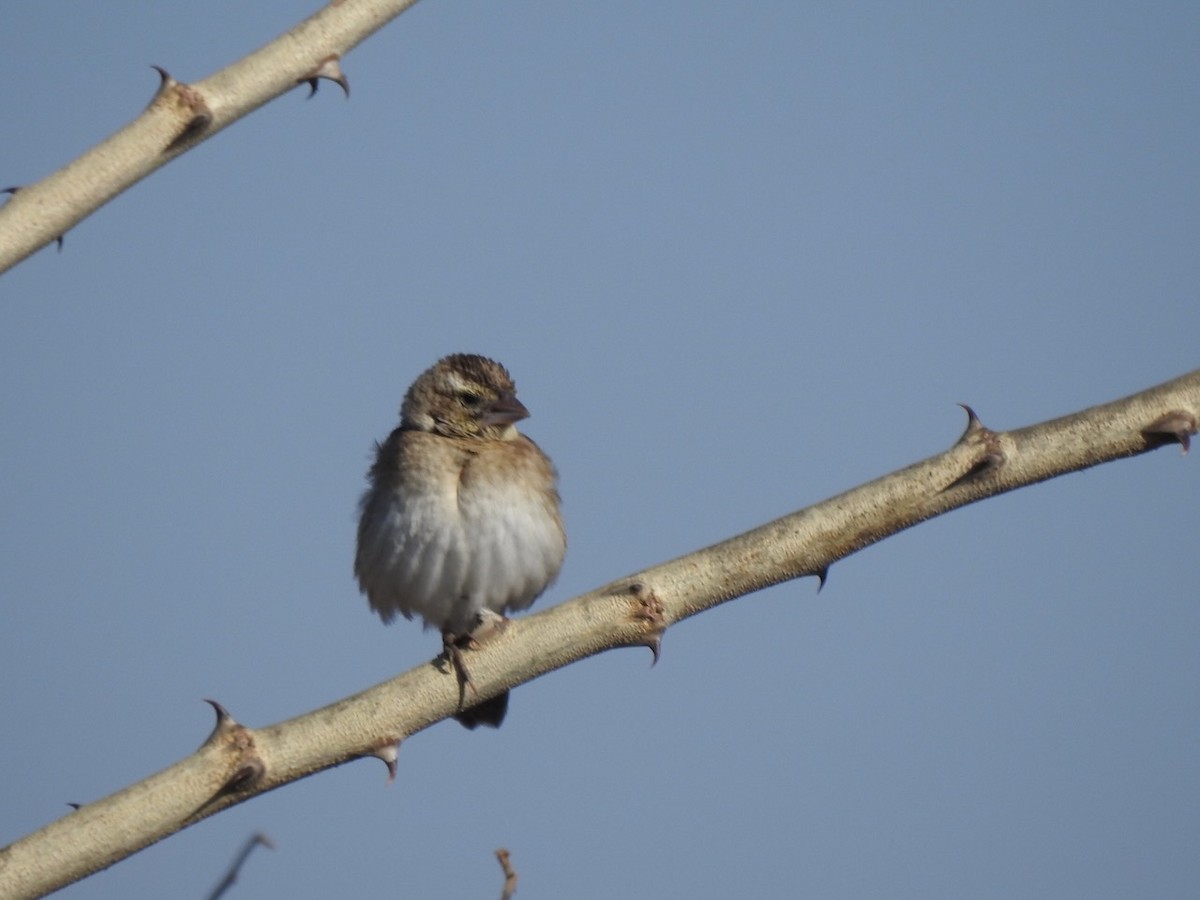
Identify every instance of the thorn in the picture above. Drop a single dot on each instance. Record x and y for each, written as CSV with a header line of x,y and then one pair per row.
x,y
12,190
223,715
74,805
330,69
649,609
1175,427
189,98
655,648
388,753
225,726
991,460
974,426
822,577
236,738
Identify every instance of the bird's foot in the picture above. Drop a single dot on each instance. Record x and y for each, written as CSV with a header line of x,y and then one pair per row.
x,y
490,712
486,625
453,646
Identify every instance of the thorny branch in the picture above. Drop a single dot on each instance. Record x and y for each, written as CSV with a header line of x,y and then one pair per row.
x,y
182,115
237,762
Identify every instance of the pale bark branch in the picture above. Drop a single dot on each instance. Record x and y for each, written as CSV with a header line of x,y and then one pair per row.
x,y
237,762
180,116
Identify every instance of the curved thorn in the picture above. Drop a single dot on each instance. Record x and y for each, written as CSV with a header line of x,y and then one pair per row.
x,y
222,713
974,425
822,577
331,70
655,648
388,754
1177,426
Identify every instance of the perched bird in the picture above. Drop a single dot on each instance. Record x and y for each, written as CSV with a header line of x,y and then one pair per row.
x,y
461,520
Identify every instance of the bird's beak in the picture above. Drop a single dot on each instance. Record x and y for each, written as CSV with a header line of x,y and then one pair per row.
x,y
505,410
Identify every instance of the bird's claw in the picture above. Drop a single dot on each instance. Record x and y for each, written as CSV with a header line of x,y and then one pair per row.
x,y
453,646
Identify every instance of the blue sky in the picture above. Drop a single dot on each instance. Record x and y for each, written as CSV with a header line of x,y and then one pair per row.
x,y
739,258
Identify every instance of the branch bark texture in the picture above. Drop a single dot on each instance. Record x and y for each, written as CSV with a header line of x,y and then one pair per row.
x,y
181,115
236,763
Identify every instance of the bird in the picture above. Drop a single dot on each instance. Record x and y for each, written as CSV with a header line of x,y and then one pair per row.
x,y
461,521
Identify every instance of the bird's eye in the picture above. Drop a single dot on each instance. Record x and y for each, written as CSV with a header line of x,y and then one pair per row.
x,y
469,400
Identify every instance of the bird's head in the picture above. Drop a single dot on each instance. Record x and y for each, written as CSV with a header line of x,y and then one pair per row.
x,y
464,396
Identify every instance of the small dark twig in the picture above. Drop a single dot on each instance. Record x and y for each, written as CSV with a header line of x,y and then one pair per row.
x,y
232,874
510,874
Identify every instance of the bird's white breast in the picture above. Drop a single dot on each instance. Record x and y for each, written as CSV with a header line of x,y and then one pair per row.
x,y
445,549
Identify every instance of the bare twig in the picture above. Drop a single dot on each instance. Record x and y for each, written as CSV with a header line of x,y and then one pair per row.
x,y
510,875
231,876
